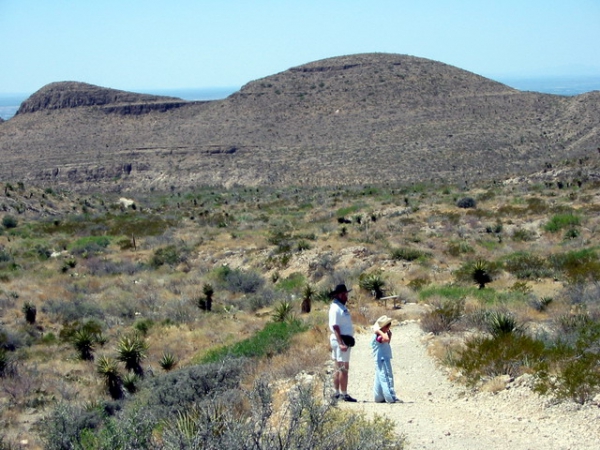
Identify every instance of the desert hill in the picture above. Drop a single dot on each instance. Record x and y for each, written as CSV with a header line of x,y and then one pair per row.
x,y
368,118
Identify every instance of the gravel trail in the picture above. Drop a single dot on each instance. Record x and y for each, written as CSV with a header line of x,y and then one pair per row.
x,y
437,414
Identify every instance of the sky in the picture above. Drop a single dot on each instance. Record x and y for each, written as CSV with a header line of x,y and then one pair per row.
x,y
179,44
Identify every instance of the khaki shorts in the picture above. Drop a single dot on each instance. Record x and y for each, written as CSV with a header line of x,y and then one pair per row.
x,y
337,354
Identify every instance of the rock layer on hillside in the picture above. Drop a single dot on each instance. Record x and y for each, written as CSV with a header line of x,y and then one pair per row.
x,y
370,118
71,94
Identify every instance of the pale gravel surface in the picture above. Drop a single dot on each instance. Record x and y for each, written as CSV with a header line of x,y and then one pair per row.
x,y
438,414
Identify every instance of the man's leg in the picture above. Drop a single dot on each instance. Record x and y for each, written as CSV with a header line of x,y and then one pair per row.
x,y
342,376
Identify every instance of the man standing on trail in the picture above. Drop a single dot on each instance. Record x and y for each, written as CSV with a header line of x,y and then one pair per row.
x,y
341,339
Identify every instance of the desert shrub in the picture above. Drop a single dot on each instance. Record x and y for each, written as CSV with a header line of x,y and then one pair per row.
x,y
9,222
273,339
576,266
63,427
443,316
523,235
536,205
540,303
525,265
170,255
466,202
4,256
294,282
572,369
239,281
561,221
457,248
502,354
418,283
571,233
579,379
8,364
307,423
143,326
174,392
89,246
10,341
72,310
408,254
103,267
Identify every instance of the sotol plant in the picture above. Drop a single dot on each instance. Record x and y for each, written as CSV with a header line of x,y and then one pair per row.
x,y
109,369
132,349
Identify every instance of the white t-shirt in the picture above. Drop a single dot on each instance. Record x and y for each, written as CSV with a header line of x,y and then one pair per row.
x,y
340,316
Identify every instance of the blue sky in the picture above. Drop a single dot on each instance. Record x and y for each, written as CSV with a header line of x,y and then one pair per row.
x,y
176,44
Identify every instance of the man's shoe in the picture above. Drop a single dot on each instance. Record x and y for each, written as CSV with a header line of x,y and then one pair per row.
x,y
347,398
336,395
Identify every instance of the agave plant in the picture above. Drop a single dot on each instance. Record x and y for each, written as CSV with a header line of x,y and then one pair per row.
x,y
109,369
132,349
282,312
168,361
501,323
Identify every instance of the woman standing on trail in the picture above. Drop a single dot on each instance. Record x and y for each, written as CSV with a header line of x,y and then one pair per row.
x,y
383,389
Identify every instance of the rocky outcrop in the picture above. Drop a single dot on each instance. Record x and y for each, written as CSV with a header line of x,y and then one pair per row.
x,y
65,95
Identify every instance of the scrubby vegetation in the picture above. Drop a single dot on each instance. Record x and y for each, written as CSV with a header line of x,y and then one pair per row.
x,y
153,326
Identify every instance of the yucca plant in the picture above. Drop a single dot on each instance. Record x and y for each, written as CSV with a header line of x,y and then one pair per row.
x,y
168,361
130,381
84,342
307,298
373,283
132,350
109,369
30,312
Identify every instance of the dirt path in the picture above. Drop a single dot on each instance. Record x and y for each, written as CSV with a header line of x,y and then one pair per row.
x,y
437,414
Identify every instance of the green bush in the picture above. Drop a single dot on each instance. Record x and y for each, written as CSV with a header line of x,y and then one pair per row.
x,y
176,391
561,221
273,339
444,315
502,354
169,255
457,248
577,266
466,202
525,265
89,246
9,222
408,254
239,281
